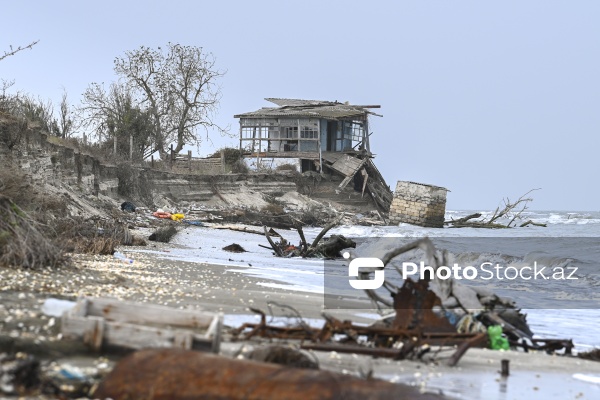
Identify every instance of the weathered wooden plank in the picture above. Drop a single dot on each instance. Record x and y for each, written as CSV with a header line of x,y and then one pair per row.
x,y
310,155
119,323
94,333
332,157
81,308
123,311
215,331
75,327
137,336
141,337
348,165
183,340
365,179
343,184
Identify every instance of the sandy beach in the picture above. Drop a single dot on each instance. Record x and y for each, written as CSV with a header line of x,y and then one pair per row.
x,y
152,278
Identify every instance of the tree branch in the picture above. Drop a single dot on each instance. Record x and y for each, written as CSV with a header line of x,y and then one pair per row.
x,y
12,51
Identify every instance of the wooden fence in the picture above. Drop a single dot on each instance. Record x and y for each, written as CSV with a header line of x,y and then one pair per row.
x,y
197,165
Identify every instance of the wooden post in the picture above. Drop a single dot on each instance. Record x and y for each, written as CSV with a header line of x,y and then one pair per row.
x,y
79,166
130,147
241,130
505,368
152,161
115,145
96,172
320,151
258,150
171,156
366,135
190,160
222,161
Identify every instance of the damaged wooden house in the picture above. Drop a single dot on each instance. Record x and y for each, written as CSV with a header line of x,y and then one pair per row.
x,y
320,138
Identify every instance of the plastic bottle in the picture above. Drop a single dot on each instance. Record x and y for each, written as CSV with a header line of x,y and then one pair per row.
x,y
497,341
122,257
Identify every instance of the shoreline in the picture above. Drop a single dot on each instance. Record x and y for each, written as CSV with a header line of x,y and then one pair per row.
x,y
154,278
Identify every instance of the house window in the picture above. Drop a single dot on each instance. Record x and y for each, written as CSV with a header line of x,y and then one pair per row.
x,y
290,132
309,132
357,132
248,132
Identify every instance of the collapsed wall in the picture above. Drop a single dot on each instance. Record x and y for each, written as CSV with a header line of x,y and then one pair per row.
x,y
418,204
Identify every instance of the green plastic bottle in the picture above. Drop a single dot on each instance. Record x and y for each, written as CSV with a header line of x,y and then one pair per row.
x,y
497,341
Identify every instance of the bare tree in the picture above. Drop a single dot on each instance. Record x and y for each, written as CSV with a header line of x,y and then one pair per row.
x,y
14,51
113,114
179,87
99,105
65,124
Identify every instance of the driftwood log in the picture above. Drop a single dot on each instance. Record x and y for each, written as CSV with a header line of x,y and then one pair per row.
x,y
170,374
530,222
329,248
511,211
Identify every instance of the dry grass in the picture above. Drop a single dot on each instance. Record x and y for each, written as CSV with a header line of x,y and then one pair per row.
x,y
22,244
90,236
19,187
286,167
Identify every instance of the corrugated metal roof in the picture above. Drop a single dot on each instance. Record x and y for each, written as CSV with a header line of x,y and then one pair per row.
x,y
307,109
299,102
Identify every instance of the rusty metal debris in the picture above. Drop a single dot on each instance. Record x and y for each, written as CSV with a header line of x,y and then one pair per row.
x,y
548,345
180,374
394,342
421,321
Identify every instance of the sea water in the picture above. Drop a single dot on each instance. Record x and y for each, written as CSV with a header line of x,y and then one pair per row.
x,y
581,231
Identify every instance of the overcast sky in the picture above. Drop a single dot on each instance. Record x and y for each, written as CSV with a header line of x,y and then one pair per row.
x,y
488,99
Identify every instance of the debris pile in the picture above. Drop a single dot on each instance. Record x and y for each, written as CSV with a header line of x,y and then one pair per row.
x,y
23,374
429,312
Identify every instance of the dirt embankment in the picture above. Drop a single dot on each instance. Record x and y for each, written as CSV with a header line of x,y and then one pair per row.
x,y
66,178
